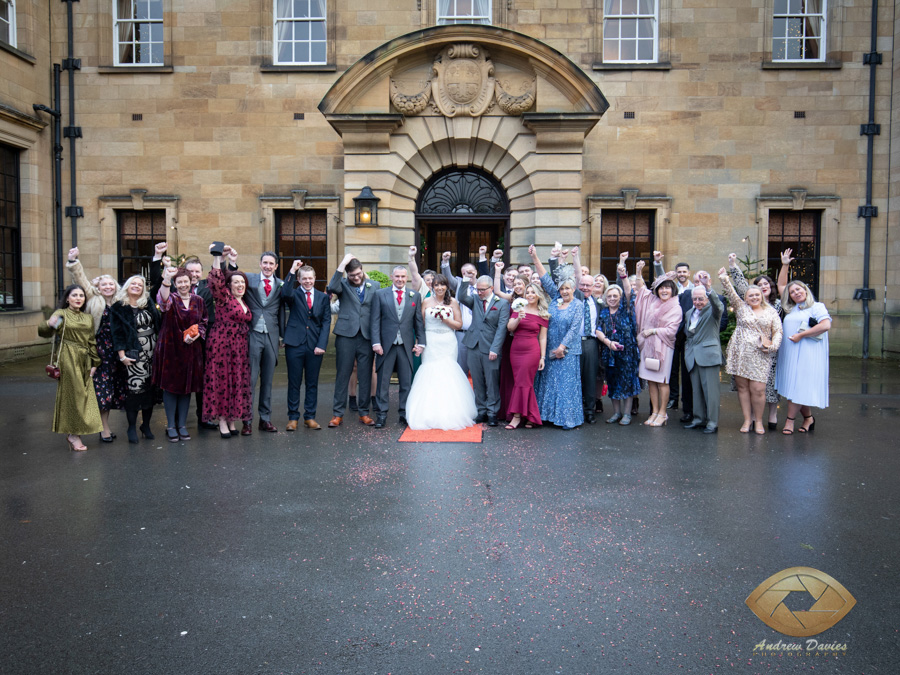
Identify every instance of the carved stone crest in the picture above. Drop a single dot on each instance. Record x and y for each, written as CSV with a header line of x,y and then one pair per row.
x,y
463,83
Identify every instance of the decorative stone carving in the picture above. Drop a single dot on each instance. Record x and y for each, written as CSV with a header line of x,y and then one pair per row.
x,y
462,83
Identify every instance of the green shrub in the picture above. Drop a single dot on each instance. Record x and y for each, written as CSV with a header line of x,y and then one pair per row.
x,y
380,277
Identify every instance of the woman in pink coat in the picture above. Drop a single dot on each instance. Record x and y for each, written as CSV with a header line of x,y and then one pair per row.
x,y
658,317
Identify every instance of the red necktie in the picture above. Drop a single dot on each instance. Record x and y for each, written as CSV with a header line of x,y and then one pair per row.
x,y
399,297
309,299
484,306
268,283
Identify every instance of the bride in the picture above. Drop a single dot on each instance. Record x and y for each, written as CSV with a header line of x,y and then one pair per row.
x,y
441,396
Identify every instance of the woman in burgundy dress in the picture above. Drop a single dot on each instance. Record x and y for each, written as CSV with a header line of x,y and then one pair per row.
x,y
178,361
226,384
517,290
526,356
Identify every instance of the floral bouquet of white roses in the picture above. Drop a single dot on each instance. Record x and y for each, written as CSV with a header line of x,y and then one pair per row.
x,y
441,312
518,304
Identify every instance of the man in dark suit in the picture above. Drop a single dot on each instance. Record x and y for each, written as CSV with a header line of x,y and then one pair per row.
x,y
352,337
484,340
470,274
305,339
703,354
397,330
590,347
263,297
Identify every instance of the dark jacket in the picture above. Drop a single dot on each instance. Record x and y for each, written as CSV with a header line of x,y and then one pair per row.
x,y
123,327
200,289
305,327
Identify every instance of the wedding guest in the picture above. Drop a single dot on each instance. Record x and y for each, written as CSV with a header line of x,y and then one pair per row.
x,y
352,343
802,374
679,379
559,386
76,412
756,337
516,290
768,288
109,378
528,323
469,274
617,332
178,360
305,341
263,297
590,348
703,354
601,283
659,316
135,322
227,396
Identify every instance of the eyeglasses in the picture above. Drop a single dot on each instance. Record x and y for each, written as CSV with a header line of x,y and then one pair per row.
x,y
482,290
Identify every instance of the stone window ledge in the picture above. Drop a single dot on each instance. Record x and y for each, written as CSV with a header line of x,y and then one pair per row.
x,y
131,70
17,52
323,68
801,65
662,65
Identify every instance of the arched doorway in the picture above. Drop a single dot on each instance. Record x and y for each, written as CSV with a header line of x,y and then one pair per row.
x,y
459,210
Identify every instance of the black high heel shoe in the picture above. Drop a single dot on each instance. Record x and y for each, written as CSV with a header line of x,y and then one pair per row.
x,y
145,430
773,426
107,439
812,426
786,431
132,435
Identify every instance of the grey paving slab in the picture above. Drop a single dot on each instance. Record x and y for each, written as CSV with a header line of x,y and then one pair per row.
x,y
600,550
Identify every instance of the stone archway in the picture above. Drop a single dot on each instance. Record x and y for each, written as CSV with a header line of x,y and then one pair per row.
x,y
464,96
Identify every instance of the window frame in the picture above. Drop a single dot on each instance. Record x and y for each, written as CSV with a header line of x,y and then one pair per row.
x,y
801,262
787,15
276,42
10,24
317,262
15,229
456,19
628,200
155,237
117,63
637,16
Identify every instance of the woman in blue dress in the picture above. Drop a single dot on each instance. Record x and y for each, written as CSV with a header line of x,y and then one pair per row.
x,y
558,386
617,325
802,372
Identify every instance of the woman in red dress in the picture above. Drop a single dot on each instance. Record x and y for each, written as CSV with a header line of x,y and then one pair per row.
x,y
517,290
526,356
226,384
178,360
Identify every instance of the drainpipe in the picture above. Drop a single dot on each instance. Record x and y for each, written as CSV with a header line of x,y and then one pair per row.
x,y
868,210
57,176
72,132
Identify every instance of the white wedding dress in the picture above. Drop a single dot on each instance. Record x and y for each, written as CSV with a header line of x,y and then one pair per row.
x,y
441,396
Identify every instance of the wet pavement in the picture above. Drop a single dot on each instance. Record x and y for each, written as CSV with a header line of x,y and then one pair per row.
x,y
600,550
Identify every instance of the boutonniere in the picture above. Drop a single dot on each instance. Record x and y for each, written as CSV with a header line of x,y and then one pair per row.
x,y
368,285
559,302
411,294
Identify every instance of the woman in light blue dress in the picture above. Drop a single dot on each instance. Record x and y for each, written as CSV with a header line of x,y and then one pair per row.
x,y
802,372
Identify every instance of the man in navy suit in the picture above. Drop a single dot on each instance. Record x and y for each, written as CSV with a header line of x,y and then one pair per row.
x,y
305,339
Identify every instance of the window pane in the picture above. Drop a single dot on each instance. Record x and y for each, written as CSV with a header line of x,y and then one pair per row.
x,y
284,52
645,28
629,28
463,7
317,9
645,50
647,6
156,10
319,52
301,31
142,8
282,9
611,28
301,52
796,6
156,32
156,52
779,28
318,30
629,50
301,8
629,6
125,9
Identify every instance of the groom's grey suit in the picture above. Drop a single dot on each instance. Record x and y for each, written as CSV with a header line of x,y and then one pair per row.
x,y
485,335
266,327
396,327
352,341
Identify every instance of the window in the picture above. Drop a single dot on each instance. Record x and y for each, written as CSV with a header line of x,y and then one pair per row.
x,y
138,234
630,31
797,230
300,35
138,32
10,230
301,235
799,30
631,231
463,11
8,22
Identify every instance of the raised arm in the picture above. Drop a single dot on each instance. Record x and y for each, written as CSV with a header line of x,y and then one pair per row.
x,y
415,279
164,295
78,275
784,271
576,261
498,276
730,293
536,262
452,280
738,280
622,273
658,269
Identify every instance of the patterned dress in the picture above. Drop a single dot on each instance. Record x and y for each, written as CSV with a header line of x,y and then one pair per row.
x,y
621,366
744,357
740,283
110,376
559,384
226,385
141,394
76,410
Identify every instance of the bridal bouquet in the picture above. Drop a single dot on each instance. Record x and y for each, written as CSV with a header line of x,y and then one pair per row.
x,y
518,304
441,312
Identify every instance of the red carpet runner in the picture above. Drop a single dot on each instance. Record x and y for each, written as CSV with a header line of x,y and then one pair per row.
x,y
470,434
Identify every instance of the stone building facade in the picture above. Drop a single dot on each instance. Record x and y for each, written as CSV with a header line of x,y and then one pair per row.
x,y
698,127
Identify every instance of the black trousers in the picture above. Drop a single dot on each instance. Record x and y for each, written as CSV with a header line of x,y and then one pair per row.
x,y
590,366
687,391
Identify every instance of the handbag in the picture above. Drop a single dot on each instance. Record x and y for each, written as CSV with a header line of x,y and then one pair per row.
x,y
651,364
52,369
192,331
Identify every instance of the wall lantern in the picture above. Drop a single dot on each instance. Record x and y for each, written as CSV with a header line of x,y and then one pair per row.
x,y
366,208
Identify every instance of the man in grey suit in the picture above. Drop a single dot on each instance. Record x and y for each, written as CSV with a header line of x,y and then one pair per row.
x,y
703,354
263,297
396,327
352,337
484,340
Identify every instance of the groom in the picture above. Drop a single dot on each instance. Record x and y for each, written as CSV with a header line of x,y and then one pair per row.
x,y
484,340
396,327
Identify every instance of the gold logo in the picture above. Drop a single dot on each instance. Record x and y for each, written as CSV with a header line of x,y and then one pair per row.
x,y
832,602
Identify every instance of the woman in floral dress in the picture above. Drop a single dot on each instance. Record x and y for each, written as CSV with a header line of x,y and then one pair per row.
x,y
619,354
226,385
109,378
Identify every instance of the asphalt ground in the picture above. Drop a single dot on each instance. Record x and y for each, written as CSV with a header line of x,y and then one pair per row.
x,y
601,550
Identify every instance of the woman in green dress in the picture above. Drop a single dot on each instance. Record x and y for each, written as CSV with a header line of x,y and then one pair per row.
x,y
76,411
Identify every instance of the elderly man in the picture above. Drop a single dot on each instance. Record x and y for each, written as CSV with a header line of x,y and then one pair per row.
x,y
469,274
590,348
703,354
